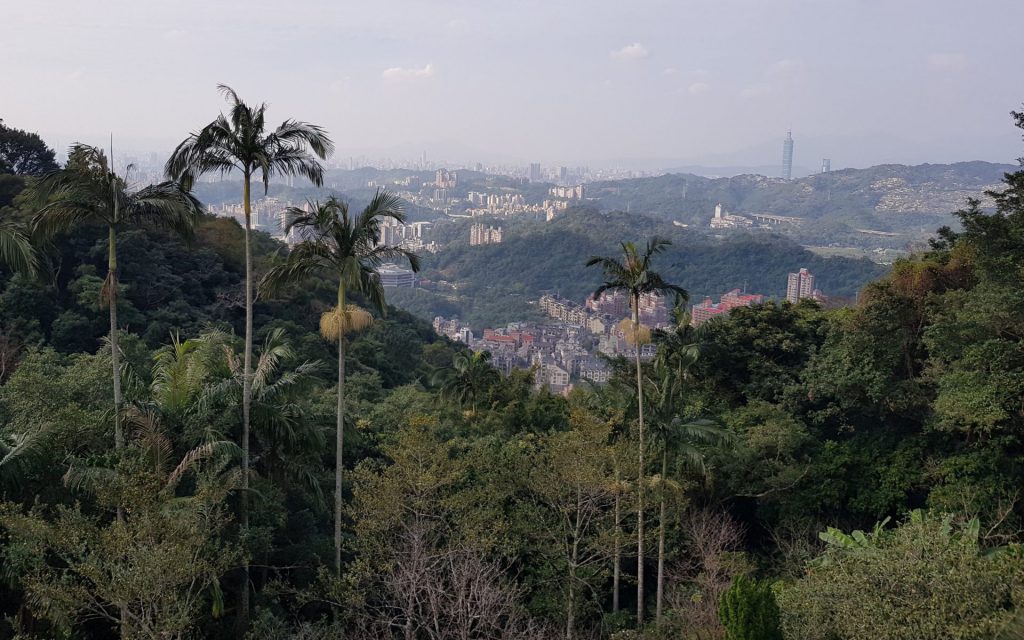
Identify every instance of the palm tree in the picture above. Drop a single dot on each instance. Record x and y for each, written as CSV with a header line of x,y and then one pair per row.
x,y
468,379
347,248
633,276
682,438
88,191
679,350
282,423
610,401
240,142
164,519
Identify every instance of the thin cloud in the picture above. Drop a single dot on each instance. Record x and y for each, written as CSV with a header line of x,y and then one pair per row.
x,y
698,88
787,67
635,51
405,74
459,25
947,62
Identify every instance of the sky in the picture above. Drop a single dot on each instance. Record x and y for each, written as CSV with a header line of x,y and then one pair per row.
x,y
574,82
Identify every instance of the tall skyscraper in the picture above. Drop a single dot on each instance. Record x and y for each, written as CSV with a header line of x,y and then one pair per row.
x,y
826,165
535,172
787,156
800,286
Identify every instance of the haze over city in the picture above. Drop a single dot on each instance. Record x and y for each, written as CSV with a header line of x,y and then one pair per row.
x,y
646,84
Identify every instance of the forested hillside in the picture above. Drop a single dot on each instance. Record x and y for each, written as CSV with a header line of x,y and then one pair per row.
x,y
787,472
891,198
495,282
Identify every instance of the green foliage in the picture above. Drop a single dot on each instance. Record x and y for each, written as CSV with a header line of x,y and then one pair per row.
x,y
495,282
152,571
927,578
24,154
749,612
477,505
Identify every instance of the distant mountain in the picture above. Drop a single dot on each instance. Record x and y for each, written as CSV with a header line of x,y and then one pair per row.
x,y
493,284
885,197
727,171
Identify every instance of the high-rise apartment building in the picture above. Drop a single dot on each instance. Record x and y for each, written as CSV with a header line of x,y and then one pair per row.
x,y
481,234
445,179
535,172
569,193
800,286
787,156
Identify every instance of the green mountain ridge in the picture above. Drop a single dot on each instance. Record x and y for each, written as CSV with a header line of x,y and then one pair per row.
x,y
884,197
493,283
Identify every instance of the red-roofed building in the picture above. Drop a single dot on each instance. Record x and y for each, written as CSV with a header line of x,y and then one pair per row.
x,y
706,310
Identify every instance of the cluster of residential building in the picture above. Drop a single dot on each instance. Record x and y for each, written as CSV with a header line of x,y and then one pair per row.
x,y
414,236
569,193
444,182
484,234
706,310
267,214
598,315
568,349
510,204
560,354
799,286
494,203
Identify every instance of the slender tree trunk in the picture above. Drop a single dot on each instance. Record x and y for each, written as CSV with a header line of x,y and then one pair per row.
x,y
617,553
246,392
339,435
115,365
640,480
115,353
661,539
574,559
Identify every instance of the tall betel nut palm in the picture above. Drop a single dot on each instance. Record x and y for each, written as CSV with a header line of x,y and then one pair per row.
x,y
239,141
88,191
347,248
632,275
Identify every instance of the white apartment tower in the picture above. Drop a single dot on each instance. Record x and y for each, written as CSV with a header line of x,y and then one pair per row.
x,y
481,234
800,286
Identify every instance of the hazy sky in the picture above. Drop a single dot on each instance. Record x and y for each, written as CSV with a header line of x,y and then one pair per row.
x,y
595,81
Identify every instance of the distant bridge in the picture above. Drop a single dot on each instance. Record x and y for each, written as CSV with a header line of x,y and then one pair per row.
x,y
765,218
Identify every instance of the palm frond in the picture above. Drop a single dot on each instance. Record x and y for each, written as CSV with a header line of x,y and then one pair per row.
x,y
89,478
301,134
148,436
18,452
16,251
166,205
191,460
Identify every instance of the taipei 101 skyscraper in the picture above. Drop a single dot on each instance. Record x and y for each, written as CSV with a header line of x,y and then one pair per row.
x,y
787,156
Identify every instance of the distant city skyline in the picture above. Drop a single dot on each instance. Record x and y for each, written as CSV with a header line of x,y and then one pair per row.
x,y
649,84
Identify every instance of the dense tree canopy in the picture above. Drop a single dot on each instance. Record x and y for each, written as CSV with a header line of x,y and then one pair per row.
x,y
23,153
814,474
